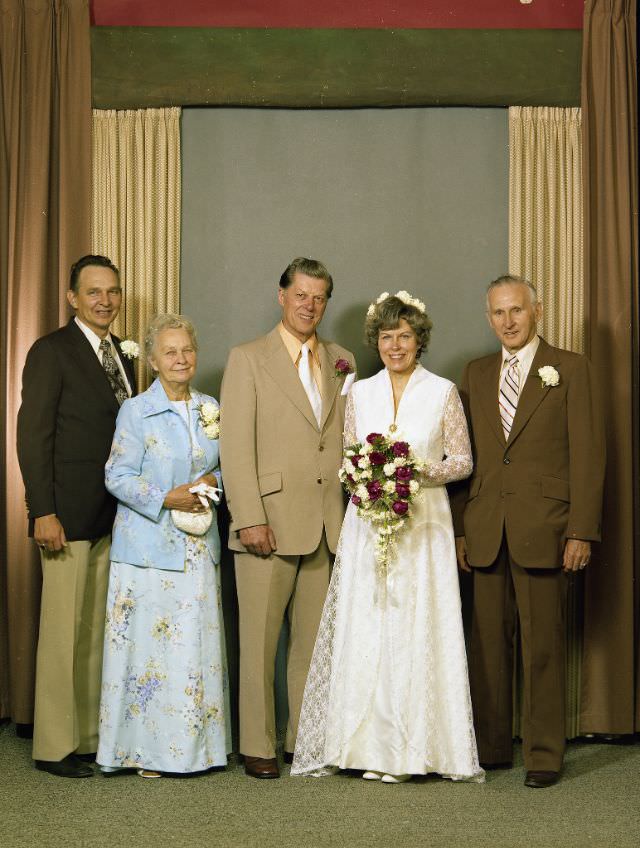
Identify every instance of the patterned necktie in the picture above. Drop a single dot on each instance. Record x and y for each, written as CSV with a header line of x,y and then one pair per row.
x,y
113,372
306,378
509,392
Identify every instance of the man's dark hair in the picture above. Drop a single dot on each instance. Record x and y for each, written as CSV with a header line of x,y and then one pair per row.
x,y
309,267
85,261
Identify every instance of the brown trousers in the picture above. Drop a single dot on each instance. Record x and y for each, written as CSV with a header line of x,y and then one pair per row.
x,y
69,657
267,589
502,593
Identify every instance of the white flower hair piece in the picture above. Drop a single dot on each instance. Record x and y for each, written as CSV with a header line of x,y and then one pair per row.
x,y
402,295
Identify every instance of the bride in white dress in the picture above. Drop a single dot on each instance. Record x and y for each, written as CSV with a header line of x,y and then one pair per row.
x,y
387,691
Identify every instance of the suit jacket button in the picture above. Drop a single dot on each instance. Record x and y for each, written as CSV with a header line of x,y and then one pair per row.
x,y
506,460
319,480
321,448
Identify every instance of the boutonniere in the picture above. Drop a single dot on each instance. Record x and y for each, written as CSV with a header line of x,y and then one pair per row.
x,y
343,368
209,415
548,375
130,349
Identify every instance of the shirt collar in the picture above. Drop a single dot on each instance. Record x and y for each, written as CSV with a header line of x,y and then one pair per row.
x,y
294,345
525,354
93,338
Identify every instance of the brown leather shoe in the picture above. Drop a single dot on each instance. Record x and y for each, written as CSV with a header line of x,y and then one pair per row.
x,y
541,779
265,769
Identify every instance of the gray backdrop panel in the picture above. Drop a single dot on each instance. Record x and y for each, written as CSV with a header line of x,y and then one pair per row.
x,y
387,199
412,199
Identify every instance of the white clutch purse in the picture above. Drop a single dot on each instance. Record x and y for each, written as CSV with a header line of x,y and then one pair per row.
x,y
197,523
193,523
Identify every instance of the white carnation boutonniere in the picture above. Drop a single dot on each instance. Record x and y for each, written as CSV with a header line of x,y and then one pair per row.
x,y
548,375
130,349
210,419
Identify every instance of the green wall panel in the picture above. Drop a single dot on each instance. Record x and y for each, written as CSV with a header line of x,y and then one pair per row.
x,y
136,67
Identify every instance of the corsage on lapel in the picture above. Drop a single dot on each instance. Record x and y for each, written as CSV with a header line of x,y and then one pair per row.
x,y
130,349
548,376
343,369
209,415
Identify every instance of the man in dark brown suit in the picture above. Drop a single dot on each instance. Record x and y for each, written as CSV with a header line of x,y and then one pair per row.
x,y
525,522
73,383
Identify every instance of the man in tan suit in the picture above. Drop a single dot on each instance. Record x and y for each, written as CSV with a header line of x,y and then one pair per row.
x,y
525,522
281,428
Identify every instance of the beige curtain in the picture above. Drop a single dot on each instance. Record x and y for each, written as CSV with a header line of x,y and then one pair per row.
x,y
136,212
611,697
545,246
545,215
45,127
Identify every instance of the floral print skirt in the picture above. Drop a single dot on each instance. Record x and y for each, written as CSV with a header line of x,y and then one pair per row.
x,y
164,699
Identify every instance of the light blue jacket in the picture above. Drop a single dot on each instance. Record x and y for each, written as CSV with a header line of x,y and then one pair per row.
x,y
150,455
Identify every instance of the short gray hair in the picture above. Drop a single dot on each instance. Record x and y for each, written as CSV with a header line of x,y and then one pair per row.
x,y
168,322
513,279
308,267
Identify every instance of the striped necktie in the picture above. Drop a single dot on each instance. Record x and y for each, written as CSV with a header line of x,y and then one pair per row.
x,y
310,387
509,392
113,373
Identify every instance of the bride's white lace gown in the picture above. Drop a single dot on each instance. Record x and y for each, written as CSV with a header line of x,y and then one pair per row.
x,y
388,688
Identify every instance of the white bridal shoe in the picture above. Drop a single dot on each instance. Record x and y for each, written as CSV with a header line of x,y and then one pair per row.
x,y
395,778
372,775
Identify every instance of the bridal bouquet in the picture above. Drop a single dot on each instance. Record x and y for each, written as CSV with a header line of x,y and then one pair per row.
x,y
380,476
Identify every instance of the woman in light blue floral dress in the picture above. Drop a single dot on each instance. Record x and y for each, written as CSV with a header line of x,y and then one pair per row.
x,y
164,704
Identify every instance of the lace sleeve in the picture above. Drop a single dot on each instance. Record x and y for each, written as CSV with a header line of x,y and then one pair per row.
x,y
349,434
458,461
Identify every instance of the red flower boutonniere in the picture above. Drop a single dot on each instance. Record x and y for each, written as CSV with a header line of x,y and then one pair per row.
x,y
343,368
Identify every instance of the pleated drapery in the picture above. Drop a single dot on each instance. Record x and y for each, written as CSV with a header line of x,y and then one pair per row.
x,y
545,215
545,247
611,675
45,150
136,212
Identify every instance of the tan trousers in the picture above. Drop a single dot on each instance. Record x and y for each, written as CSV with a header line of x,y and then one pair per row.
x,y
267,589
501,594
69,658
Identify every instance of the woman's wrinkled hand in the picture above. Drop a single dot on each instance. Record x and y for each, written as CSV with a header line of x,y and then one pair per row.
x,y
181,498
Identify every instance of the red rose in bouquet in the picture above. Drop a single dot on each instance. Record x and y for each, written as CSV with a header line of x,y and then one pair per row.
x,y
380,489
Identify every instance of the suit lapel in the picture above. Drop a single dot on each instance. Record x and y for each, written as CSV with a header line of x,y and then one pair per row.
x,y
89,364
279,365
330,383
206,444
533,392
489,395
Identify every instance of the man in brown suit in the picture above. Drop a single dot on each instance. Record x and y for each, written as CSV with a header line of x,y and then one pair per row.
x,y
282,418
73,383
525,522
